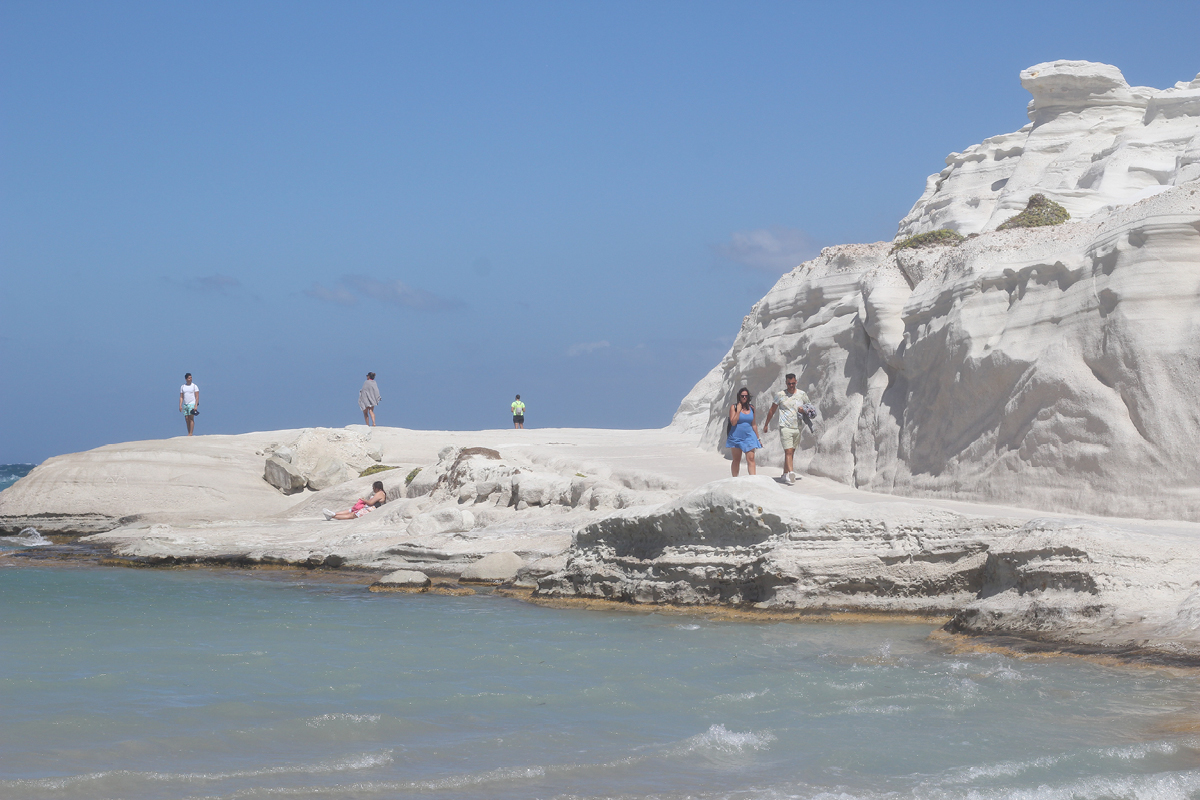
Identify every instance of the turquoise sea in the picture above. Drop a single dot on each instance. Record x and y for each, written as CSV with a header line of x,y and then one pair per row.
x,y
134,683
10,473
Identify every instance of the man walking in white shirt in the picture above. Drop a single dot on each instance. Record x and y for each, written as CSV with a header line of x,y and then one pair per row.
x,y
189,401
789,403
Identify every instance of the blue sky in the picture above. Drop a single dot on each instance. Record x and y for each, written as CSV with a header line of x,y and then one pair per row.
x,y
574,201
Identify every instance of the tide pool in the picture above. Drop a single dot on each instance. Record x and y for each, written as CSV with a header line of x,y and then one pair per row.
x,y
124,683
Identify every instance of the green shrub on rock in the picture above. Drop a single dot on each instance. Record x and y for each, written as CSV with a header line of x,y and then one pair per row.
x,y
371,470
943,237
1037,213
411,475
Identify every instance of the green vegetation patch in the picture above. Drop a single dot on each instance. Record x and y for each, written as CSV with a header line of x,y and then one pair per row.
x,y
943,237
371,470
411,475
1037,213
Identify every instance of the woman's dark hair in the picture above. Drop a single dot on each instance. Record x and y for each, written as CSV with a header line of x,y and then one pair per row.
x,y
745,389
370,376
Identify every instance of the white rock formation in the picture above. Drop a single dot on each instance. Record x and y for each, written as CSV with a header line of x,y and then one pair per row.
x,y
189,479
319,458
203,499
820,545
280,473
745,541
493,568
1052,367
1094,143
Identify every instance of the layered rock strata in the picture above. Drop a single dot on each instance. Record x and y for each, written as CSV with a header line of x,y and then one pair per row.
x,y
749,542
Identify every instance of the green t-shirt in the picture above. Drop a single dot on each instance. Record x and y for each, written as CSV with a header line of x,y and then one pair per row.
x,y
518,408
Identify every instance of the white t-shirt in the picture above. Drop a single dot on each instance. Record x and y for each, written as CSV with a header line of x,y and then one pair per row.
x,y
789,407
189,393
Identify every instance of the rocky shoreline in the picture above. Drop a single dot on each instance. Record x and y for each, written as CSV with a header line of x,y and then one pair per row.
x,y
561,517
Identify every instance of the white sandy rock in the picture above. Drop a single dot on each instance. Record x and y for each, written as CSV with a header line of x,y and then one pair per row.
x,y
323,457
750,542
541,489
494,568
196,479
1093,142
283,476
444,520
1053,367
402,580
329,472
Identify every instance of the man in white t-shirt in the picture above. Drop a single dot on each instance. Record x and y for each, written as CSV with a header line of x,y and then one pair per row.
x,y
189,401
789,405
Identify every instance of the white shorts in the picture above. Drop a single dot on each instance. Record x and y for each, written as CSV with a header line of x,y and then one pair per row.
x,y
790,438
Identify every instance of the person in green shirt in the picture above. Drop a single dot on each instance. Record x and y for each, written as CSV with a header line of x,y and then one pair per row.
x,y
518,409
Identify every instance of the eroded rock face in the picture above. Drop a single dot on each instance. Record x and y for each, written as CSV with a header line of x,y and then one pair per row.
x,y
493,568
1094,143
283,476
1049,367
750,542
477,475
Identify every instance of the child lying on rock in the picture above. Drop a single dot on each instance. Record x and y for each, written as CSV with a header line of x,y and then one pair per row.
x,y
363,506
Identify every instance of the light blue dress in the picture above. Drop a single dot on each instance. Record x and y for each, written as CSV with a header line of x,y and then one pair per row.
x,y
742,436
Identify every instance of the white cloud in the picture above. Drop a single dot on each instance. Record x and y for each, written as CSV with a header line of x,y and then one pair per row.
x,y
351,287
337,294
775,250
583,348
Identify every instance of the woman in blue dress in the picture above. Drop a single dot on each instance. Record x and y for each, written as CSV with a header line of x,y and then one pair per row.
x,y
743,436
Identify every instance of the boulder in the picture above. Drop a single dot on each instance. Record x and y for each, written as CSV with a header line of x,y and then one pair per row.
x,y
423,482
283,476
494,568
528,576
313,446
541,488
329,472
402,580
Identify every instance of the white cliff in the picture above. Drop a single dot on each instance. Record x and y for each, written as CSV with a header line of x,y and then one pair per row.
x,y
1093,143
1054,367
